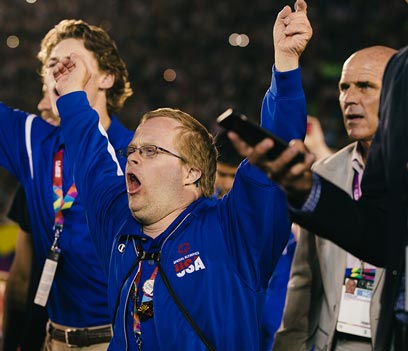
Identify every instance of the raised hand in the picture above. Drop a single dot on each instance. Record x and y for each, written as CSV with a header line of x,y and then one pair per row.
x,y
71,74
295,180
291,33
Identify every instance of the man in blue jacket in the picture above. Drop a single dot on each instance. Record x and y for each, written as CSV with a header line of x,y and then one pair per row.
x,y
34,151
186,271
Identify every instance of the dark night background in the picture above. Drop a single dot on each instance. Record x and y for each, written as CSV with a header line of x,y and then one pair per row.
x,y
191,37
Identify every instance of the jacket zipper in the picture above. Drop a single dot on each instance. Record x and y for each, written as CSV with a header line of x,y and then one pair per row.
x,y
134,276
173,231
126,304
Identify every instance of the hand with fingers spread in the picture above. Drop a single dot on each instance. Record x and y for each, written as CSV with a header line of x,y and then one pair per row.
x,y
292,31
296,180
71,74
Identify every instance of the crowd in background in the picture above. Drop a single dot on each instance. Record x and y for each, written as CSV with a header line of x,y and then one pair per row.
x,y
191,37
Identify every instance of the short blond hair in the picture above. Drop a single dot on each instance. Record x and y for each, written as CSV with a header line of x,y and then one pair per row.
x,y
195,145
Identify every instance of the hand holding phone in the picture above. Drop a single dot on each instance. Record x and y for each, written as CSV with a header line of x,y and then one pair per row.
x,y
252,133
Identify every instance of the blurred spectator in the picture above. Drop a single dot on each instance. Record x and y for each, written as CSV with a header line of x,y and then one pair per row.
x,y
227,164
8,236
314,140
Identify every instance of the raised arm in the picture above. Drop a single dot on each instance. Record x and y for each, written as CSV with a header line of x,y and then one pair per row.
x,y
291,33
98,175
258,211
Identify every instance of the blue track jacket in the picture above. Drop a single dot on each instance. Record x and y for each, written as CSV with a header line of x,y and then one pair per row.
x,y
78,296
218,254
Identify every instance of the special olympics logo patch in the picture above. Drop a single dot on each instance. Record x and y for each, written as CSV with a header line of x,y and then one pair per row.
x,y
183,248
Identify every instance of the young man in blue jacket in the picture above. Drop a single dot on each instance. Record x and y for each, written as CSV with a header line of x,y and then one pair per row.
x,y
34,151
186,271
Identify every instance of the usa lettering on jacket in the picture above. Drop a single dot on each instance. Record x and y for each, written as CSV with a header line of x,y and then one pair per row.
x,y
188,264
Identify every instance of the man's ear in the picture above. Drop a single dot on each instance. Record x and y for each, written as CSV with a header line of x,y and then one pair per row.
x,y
193,176
106,81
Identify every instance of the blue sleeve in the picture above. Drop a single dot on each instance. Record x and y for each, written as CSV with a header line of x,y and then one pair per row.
x,y
98,176
255,212
284,106
14,125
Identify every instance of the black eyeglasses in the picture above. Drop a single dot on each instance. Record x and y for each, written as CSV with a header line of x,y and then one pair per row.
x,y
147,151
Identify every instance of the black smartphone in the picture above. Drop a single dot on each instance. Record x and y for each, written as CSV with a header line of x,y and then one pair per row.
x,y
252,133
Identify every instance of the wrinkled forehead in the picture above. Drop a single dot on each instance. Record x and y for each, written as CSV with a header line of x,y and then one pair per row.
x,y
362,71
367,64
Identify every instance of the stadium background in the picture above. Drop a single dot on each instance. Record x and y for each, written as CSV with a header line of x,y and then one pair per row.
x,y
191,38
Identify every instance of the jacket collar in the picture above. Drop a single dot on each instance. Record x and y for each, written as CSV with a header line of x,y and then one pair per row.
x,y
133,228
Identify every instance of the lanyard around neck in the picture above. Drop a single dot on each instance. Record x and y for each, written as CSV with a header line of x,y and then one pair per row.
x,y
61,202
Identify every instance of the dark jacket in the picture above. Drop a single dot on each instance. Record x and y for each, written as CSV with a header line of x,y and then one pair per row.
x,y
375,227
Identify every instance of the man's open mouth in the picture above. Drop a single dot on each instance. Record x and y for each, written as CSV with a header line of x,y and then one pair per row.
x,y
354,116
133,183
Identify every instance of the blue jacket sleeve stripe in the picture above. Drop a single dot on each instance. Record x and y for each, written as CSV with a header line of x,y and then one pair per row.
x,y
28,125
111,151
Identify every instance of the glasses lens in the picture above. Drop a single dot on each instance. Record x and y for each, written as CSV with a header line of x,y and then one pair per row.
x,y
130,150
148,150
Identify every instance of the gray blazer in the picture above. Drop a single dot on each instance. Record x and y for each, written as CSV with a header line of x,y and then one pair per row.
x,y
316,278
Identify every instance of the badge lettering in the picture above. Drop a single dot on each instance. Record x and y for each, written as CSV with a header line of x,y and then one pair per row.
x,y
189,266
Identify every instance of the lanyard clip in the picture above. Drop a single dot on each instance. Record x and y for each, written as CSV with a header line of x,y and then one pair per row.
x,y
57,232
146,256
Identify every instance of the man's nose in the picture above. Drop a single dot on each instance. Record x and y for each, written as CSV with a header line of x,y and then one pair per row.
x,y
351,96
43,105
134,157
